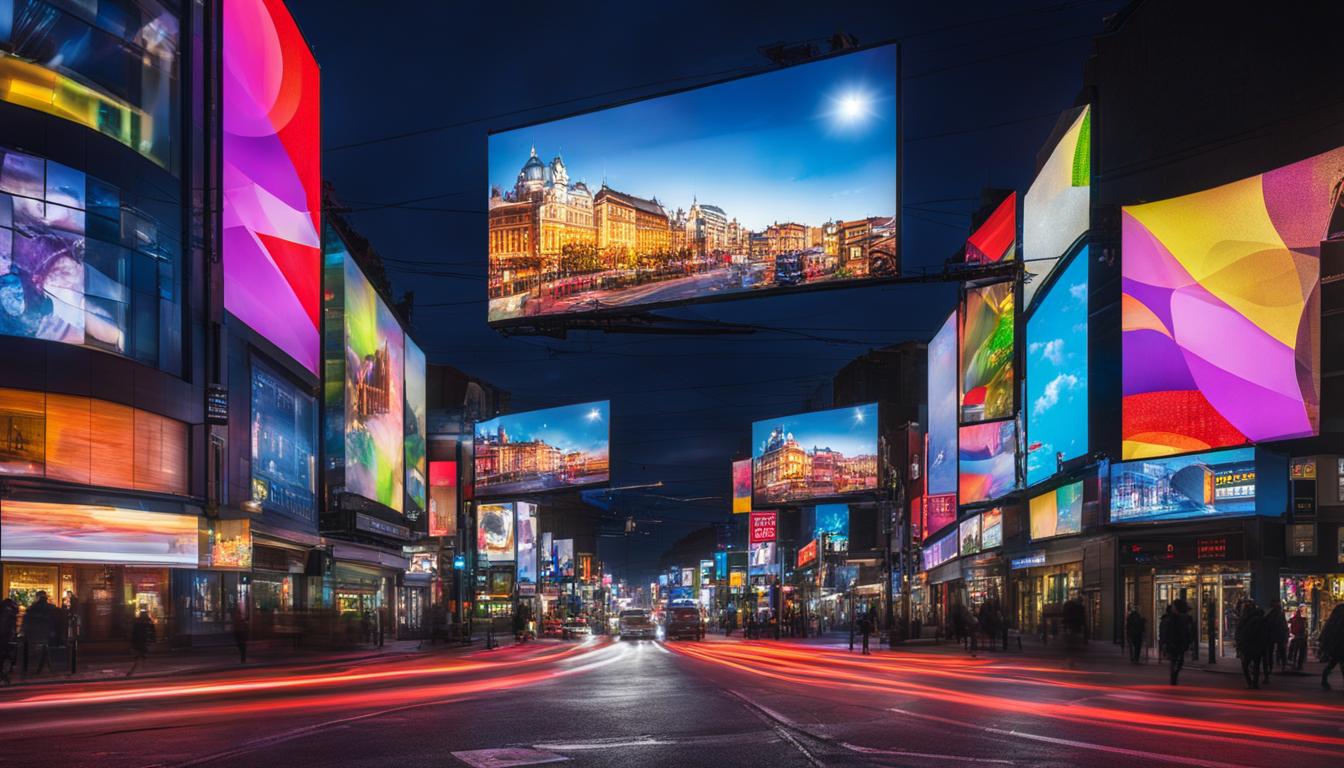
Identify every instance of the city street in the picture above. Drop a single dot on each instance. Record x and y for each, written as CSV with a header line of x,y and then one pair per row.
x,y
716,703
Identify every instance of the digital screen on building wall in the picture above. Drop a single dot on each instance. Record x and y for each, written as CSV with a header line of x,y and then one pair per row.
x,y
1211,484
284,446
1056,409
968,531
778,181
741,486
417,445
1222,311
375,453
85,533
495,532
1057,513
1057,207
940,511
986,345
995,241
545,450
443,498
761,558
831,525
526,535
937,552
988,461
815,455
272,177
564,557
942,434
991,528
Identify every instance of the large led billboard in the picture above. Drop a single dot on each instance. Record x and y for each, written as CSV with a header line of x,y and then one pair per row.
x,y
1057,206
417,445
375,452
1056,411
761,558
995,241
986,347
284,446
443,498
84,533
942,381
935,553
988,461
495,532
563,557
969,533
526,535
545,450
1212,484
781,181
991,528
815,455
831,526
1056,513
1221,303
272,177
741,486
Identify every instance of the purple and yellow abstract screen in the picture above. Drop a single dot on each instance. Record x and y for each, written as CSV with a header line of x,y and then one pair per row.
x,y
272,177
1221,311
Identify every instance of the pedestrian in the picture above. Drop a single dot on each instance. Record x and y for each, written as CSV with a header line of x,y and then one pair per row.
x,y
1277,647
972,631
1164,629
987,624
1211,629
1135,626
1331,644
866,629
1074,618
959,615
240,631
1297,643
1252,640
9,623
39,625
1180,632
1001,619
142,634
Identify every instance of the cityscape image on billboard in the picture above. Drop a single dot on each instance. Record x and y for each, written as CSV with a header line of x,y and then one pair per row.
x,y
284,446
815,455
1221,303
986,346
1057,513
781,180
1180,487
1056,406
1057,207
988,463
375,453
942,377
544,450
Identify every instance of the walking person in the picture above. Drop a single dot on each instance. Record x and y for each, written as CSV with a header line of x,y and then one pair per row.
x,y
240,632
1211,629
1331,644
1075,629
1277,647
142,634
39,625
866,629
1179,634
1297,640
9,623
1135,625
1164,628
1252,640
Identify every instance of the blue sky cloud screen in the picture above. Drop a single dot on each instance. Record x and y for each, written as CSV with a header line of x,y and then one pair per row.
x,y
942,374
549,449
1057,352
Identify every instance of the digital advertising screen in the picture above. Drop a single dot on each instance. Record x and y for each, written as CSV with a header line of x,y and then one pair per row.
x,y
1221,311
375,452
84,533
443,498
942,380
779,181
741,486
986,344
720,565
545,450
991,528
807,554
1057,513
1056,409
761,558
1057,206
417,445
1212,484
940,511
988,461
832,526
564,557
495,532
968,531
284,446
272,177
937,552
815,455
995,241
526,536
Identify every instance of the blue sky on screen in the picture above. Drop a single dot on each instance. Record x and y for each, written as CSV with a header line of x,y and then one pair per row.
x,y
582,427
852,431
1056,407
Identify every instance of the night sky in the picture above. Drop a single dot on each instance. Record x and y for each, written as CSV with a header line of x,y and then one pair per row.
x,y
983,84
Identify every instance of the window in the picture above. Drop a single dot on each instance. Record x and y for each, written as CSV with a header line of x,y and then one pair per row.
x,y
1302,539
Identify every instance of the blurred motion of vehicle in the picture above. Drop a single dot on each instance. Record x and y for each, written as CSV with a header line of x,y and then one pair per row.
x,y
553,628
684,621
636,625
789,268
577,629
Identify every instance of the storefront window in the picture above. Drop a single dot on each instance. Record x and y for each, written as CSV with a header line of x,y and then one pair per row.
x,y
1302,539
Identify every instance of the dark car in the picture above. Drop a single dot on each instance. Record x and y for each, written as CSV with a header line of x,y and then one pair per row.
x,y
684,622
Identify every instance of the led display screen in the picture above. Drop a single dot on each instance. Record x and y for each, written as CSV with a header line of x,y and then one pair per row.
x,y
374,366
108,66
495,532
272,177
284,446
942,380
416,438
1057,354
815,455
761,558
991,528
968,532
940,511
1213,484
986,353
1056,208
443,498
807,554
545,450
84,533
935,553
781,181
527,542
1220,295
1057,513
564,557
741,486
988,461
832,526
995,241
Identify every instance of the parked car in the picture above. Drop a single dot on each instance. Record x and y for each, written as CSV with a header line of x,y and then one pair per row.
x,y
577,629
684,622
636,625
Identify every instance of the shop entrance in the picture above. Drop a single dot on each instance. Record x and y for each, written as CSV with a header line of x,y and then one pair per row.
x,y
1214,595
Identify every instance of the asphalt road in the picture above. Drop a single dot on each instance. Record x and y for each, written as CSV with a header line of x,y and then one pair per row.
x,y
643,704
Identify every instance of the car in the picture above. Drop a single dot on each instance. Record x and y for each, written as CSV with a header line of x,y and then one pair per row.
x,y
683,622
553,628
577,629
636,625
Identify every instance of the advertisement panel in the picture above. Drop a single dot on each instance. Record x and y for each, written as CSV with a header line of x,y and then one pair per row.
x,y
1057,513
832,526
284,446
495,532
527,542
991,528
1057,206
545,450
969,533
1056,408
815,455
1221,311
986,346
443,498
780,181
720,565
564,557
995,241
375,453
1212,484
417,446
761,558
763,526
939,551
272,177
942,381
741,486
807,554
988,461
86,533
940,511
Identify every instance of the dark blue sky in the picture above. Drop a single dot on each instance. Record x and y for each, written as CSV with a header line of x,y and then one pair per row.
x,y
983,84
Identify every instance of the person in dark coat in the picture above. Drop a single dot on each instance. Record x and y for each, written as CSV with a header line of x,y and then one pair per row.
x,y
1252,642
1297,644
865,629
1211,629
1135,626
9,623
240,631
142,634
1277,647
39,626
1180,632
1331,644
1164,626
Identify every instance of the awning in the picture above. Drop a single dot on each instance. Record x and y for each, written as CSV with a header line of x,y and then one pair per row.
x,y
359,553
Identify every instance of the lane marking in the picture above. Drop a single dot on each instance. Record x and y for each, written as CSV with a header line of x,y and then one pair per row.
x,y
640,741
900,753
777,726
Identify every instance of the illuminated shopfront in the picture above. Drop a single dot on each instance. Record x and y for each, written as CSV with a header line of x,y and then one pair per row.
x,y
1315,594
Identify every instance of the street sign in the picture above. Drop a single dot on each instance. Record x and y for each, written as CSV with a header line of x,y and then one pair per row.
x,y
763,526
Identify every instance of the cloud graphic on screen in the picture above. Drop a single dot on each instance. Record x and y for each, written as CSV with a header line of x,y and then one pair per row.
x,y
1078,292
1064,382
1054,351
